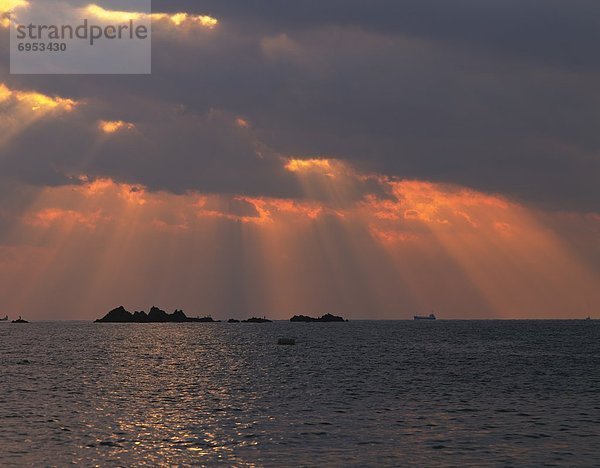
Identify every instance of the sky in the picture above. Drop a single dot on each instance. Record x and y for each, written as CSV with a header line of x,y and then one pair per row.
x,y
374,160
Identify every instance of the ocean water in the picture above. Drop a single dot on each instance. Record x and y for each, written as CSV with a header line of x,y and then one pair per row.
x,y
474,393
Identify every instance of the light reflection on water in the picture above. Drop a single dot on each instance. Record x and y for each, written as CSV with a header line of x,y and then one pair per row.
x,y
352,393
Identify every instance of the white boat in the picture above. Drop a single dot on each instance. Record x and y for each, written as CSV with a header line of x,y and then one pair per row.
x,y
425,317
4,319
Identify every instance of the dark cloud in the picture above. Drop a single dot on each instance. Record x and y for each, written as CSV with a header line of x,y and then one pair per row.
x,y
180,153
501,96
555,32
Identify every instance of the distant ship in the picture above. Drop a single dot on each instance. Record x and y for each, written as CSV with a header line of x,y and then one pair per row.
x,y
425,317
4,319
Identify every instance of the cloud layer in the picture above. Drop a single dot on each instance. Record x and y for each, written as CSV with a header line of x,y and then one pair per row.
x,y
501,97
334,156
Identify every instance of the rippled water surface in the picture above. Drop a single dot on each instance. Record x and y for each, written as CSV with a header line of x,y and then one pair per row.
x,y
366,393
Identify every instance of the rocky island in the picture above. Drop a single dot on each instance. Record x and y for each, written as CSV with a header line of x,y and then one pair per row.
x,y
20,320
257,320
156,315
324,318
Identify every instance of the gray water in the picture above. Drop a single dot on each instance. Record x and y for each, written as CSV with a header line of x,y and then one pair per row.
x,y
359,393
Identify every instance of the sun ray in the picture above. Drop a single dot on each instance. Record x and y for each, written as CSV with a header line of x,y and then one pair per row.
x,y
404,248
22,109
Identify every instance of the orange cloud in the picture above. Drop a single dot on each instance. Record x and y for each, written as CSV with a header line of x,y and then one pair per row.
x,y
408,247
101,187
261,210
113,126
325,166
435,203
95,186
391,236
242,123
52,216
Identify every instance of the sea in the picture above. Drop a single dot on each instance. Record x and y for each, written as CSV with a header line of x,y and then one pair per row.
x,y
362,393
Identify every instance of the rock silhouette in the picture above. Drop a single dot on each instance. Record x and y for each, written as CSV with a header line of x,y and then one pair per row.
x,y
156,315
257,320
20,320
324,318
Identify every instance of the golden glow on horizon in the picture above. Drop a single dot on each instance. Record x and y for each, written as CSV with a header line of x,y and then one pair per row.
x,y
416,243
112,126
506,256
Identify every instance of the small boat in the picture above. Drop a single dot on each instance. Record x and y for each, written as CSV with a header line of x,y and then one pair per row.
x,y
425,317
20,320
286,341
4,319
